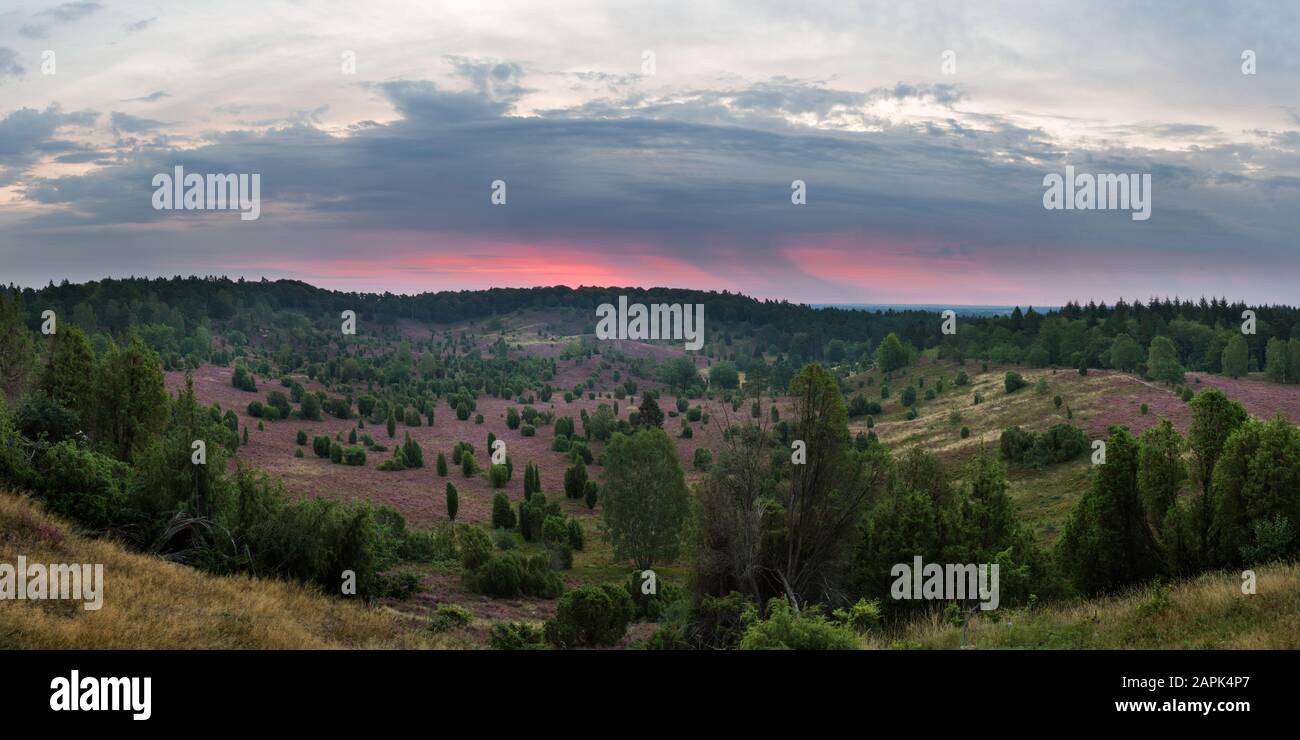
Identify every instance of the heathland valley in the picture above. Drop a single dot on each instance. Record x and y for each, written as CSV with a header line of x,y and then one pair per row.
x,y
599,467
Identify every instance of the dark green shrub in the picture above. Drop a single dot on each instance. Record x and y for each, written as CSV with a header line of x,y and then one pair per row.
x,y
502,514
499,577
87,487
577,536
450,617
516,636
590,616
1014,382
400,586
474,544
554,530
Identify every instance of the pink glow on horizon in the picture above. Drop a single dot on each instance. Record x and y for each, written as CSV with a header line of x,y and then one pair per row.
x,y
480,266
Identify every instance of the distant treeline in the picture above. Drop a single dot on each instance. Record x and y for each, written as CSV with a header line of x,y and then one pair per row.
x,y
169,311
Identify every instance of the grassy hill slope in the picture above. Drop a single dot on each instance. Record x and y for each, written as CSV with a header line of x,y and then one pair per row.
x,y
153,604
1208,612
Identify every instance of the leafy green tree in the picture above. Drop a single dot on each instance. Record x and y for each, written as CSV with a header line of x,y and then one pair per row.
x,y
1236,357
243,379
131,402
311,407
1161,472
442,465
70,375
391,423
646,502
453,501
724,375
651,414
1256,479
412,453
891,354
1125,354
1278,361
1162,361
575,480
1214,418
822,507
1108,543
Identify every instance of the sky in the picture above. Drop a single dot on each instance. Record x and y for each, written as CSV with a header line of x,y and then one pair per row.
x,y
655,144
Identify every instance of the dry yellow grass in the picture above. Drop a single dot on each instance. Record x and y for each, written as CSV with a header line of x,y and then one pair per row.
x,y
1208,612
153,604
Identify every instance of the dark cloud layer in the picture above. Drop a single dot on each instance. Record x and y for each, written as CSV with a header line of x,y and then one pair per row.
x,y
681,173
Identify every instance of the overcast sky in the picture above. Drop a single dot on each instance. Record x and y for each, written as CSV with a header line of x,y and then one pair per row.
x,y
922,186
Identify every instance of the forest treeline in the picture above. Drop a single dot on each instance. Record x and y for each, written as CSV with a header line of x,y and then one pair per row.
x,y
176,315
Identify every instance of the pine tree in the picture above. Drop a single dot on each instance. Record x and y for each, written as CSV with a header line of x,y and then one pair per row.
x,y
1214,418
1108,543
1161,471
453,501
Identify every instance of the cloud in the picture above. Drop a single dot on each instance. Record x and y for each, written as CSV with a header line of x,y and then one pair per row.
x,y
68,12
139,25
124,123
9,66
27,134
65,13
152,97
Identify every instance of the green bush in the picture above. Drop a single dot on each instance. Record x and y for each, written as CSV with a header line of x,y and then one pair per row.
x,y
505,539
500,577
449,617
85,486
591,616
474,544
1014,382
1060,443
577,536
400,586
555,530
786,629
702,459
863,617
650,606
516,636
502,515
539,579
